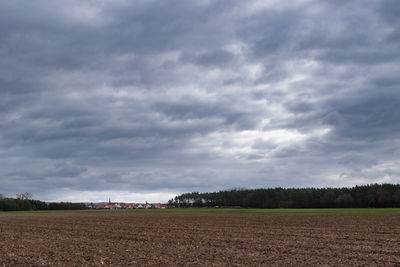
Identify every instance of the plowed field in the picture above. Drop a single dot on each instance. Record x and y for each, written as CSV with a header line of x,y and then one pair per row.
x,y
197,239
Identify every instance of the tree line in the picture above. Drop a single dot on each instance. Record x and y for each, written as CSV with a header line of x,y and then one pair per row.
x,y
24,202
364,196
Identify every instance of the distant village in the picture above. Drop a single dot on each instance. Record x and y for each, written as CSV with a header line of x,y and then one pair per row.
x,y
115,205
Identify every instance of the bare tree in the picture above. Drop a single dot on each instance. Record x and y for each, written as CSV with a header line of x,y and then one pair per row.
x,y
23,196
1,196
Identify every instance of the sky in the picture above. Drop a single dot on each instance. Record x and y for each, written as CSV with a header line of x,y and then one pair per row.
x,y
144,100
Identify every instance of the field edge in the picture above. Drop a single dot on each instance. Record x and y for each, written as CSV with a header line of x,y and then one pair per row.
x,y
234,210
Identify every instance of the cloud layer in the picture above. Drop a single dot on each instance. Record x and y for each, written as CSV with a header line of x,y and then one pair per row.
x,y
146,99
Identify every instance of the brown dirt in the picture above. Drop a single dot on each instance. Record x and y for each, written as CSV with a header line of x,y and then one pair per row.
x,y
197,239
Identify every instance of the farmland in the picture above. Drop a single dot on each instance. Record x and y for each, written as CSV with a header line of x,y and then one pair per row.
x,y
229,238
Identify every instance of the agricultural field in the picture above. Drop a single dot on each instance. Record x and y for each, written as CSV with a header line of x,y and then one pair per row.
x,y
206,238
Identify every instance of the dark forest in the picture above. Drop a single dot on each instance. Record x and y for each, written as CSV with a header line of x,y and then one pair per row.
x,y
364,196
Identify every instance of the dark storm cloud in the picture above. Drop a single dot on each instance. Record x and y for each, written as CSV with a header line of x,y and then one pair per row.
x,y
173,96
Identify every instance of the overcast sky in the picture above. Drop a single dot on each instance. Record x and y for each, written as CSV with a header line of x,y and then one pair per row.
x,y
143,100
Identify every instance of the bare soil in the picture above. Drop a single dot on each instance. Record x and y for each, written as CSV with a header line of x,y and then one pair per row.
x,y
111,238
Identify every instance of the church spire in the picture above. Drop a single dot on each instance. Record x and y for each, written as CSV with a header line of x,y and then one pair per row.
x,y
109,200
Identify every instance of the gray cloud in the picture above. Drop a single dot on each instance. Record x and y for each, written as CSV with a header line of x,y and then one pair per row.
x,y
149,99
